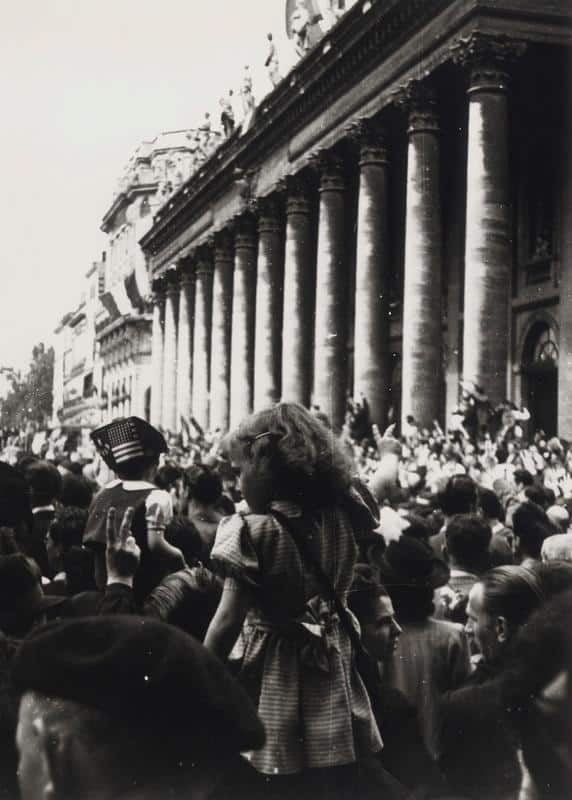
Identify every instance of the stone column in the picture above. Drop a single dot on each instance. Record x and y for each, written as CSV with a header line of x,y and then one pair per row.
x,y
297,330
202,339
372,368
243,302
169,414
269,302
565,349
330,339
221,332
185,343
488,236
422,378
157,346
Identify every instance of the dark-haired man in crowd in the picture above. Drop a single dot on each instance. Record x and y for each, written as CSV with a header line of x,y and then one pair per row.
x,y
531,526
474,720
45,483
501,546
460,496
466,550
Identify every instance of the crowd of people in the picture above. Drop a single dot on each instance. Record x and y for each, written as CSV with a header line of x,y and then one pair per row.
x,y
284,610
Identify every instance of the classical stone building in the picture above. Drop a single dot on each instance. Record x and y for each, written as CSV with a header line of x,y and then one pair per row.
x,y
396,217
154,172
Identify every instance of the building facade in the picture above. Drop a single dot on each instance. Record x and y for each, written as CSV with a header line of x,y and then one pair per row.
x,y
155,171
77,372
397,217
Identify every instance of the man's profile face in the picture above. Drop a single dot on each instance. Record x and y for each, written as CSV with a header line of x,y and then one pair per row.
x,y
33,773
480,624
381,634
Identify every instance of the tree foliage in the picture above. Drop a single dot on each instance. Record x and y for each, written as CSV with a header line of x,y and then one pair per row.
x,y
31,397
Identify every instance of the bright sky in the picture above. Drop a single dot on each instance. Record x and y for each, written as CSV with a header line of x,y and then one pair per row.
x,y
82,82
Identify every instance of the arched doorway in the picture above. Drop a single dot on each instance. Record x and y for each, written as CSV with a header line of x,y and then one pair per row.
x,y
540,377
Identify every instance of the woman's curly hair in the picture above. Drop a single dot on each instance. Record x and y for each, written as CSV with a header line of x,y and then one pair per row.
x,y
291,455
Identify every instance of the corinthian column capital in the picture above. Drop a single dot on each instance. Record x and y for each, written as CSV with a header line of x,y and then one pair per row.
x,y
269,211
330,168
186,273
419,100
204,264
369,135
223,246
489,60
245,233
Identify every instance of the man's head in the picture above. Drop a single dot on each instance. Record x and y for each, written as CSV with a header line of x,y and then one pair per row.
x,y
536,494
522,479
531,527
204,485
77,491
536,693
65,532
15,502
22,600
125,706
373,608
559,517
467,542
45,482
491,506
460,496
499,604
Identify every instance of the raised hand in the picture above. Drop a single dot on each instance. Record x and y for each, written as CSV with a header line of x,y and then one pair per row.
x,y
122,554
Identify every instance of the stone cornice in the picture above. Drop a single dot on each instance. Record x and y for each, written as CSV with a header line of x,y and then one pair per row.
x,y
121,325
124,199
358,42
360,46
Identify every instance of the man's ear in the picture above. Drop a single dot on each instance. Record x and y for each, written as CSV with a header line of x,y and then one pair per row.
x,y
60,765
502,629
42,734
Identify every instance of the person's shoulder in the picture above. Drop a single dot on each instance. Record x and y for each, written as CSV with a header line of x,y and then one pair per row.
x,y
258,526
446,629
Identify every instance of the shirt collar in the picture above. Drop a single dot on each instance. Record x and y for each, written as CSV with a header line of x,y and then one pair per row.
x,y
131,486
287,507
462,573
38,509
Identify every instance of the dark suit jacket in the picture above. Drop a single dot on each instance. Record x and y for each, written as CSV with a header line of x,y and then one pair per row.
x,y
479,747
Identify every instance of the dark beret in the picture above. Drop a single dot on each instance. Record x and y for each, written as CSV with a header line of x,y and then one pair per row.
x,y
145,673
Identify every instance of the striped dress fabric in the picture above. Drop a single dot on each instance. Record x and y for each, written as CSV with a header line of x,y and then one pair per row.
x,y
293,655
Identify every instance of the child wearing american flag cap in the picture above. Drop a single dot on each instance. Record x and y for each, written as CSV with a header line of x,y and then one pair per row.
x,y
131,447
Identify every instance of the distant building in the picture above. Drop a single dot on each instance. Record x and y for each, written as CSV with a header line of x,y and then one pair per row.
x,y
76,363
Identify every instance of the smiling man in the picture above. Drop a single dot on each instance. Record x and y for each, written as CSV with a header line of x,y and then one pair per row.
x,y
474,718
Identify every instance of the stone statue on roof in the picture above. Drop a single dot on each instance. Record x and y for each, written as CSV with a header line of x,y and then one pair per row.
x,y
227,120
303,19
248,102
271,62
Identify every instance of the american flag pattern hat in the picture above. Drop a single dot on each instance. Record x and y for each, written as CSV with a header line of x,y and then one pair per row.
x,y
127,438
